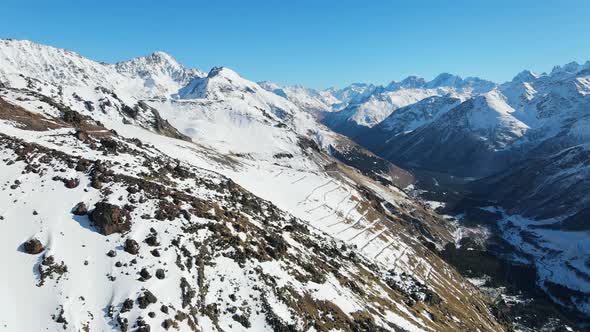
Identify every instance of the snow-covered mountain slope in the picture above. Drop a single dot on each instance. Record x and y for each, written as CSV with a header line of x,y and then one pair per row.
x,y
353,92
160,71
553,104
470,138
155,75
319,102
247,224
405,120
413,116
223,109
310,100
371,110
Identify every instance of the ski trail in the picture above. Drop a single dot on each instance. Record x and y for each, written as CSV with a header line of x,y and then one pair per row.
x,y
398,257
364,229
317,207
336,223
329,191
335,210
389,244
300,179
374,238
352,208
313,191
352,225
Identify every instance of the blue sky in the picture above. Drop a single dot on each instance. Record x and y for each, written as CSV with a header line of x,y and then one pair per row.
x,y
317,43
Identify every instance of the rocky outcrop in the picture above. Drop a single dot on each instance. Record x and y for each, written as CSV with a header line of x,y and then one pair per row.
x,y
109,218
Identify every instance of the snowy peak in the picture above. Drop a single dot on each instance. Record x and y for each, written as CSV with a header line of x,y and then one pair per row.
x,y
570,68
310,100
223,72
154,75
353,92
445,79
50,64
162,57
491,111
219,83
413,116
525,76
157,64
156,59
411,82
159,70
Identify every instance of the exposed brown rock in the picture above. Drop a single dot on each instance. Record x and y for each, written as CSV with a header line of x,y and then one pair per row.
x,y
33,247
131,246
146,299
71,183
80,209
109,218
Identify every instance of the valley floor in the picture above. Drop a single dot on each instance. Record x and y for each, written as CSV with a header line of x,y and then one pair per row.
x,y
539,276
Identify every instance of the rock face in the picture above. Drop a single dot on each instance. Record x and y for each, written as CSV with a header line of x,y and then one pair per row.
x,y
109,218
33,247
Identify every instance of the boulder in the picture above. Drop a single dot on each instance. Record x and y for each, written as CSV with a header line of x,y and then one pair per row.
x,y
33,247
71,183
152,241
109,218
145,274
146,299
131,246
80,209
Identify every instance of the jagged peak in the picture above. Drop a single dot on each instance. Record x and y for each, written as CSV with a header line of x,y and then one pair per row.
x,y
413,81
570,68
444,80
154,60
525,76
162,55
